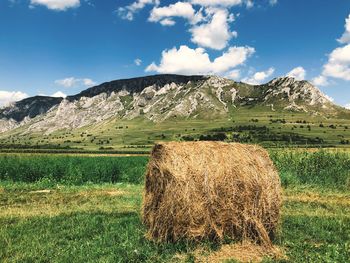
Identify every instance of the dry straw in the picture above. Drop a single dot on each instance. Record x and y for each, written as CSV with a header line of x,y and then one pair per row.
x,y
211,190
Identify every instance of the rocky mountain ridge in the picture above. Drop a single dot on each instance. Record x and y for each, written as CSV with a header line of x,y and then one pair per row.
x,y
162,97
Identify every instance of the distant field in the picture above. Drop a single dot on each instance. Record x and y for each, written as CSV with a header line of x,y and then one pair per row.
x,y
256,125
87,209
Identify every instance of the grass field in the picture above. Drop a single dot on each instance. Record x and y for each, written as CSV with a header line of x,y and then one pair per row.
x,y
58,218
252,125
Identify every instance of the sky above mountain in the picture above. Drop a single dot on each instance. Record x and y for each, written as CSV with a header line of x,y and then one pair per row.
x,y
59,47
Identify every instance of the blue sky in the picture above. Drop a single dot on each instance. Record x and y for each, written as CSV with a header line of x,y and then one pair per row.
x,y
64,46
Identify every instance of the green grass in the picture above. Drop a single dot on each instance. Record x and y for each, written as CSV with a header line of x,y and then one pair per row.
x,y
79,224
92,221
140,134
321,168
91,224
49,170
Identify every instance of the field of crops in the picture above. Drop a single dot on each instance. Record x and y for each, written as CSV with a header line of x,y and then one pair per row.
x,y
57,208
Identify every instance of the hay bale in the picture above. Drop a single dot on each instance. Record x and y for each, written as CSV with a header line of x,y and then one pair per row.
x,y
211,190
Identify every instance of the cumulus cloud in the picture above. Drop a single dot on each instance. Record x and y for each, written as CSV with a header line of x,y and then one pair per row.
x,y
259,77
59,5
59,94
165,14
216,33
225,3
74,82
127,12
67,82
347,106
249,3
345,38
234,74
196,61
167,22
298,73
88,82
320,81
183,61
209,20
331,99
234,57
338,65
273,2
138,62
211,30
6,97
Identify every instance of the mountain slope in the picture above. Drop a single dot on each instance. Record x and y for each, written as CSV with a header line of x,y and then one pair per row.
x,y
163,97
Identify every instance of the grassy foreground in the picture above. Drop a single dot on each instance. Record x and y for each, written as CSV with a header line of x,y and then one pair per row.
x,y
81,221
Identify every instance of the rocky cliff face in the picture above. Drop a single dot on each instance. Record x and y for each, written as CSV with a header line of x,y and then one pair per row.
x,y
299,95
28,108
136,85
159,98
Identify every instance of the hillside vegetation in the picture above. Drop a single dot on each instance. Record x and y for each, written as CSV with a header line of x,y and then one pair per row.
x,y
130,115
271,129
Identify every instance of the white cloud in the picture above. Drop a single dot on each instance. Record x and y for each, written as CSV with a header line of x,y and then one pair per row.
x,y
209,24
298,73
232,58
234,74
320,81
165,14
128,12
73,82
67,82
59,94
347,106
209,20
196,61
213,30
138,62
259,77
226,3
88,82
7,97
345,38
273,2
329,98
249,3
216,33
59,5
167,22
183,61
338,65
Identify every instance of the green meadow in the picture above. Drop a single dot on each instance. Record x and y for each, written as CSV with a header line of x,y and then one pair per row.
x,y
59,208
268,128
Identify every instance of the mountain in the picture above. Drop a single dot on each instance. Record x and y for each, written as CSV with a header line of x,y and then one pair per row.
x,y
164,97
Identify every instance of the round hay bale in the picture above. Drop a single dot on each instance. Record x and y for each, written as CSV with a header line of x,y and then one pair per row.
x,y
211,190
